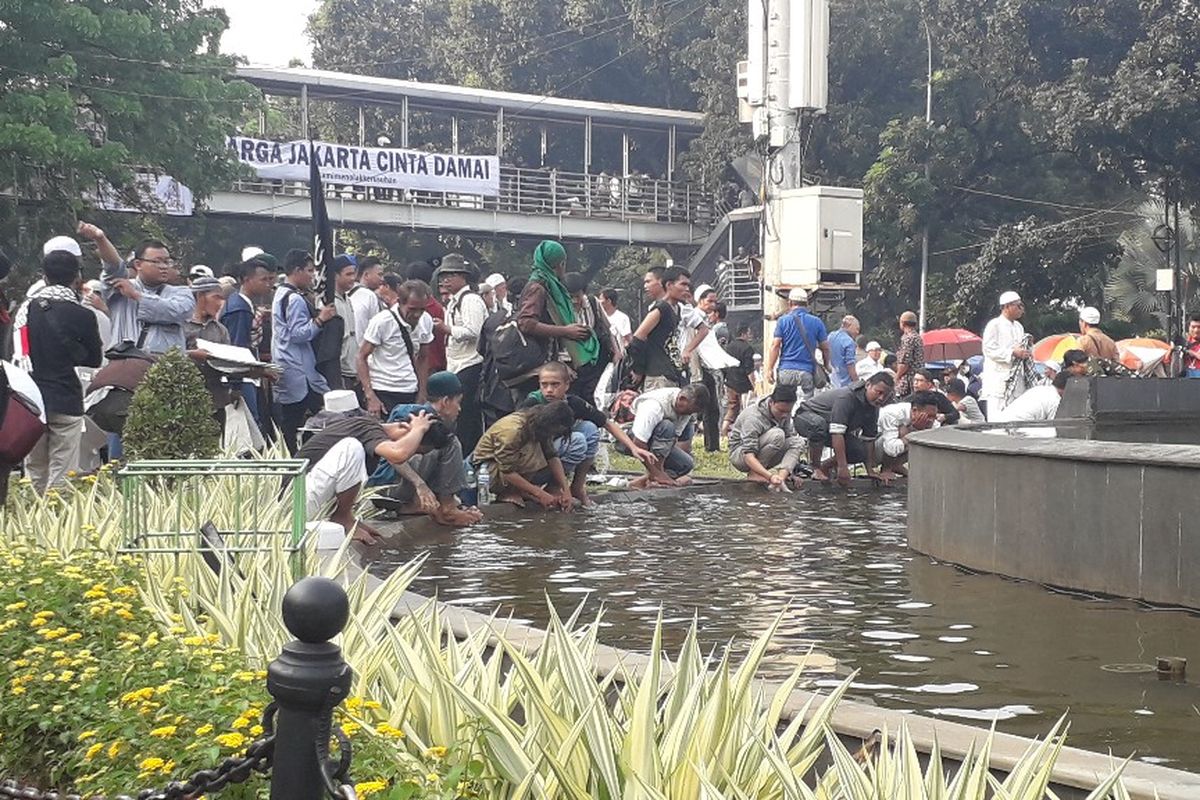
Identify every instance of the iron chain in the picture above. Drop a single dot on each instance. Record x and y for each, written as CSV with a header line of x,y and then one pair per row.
x,y
205,782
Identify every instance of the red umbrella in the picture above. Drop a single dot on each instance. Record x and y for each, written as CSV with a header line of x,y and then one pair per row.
x,y
951,344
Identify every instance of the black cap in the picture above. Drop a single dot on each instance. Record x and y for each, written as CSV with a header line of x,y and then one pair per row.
x,y
783,394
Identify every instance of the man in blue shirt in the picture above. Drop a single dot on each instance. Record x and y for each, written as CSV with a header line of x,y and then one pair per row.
x,y
145,310
295,324
844,353
797,334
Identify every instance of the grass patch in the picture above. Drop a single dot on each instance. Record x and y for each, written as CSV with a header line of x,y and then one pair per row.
x,y
708,465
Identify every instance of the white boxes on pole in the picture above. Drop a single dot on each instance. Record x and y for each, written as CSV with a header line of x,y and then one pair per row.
x,y
820,232
808,51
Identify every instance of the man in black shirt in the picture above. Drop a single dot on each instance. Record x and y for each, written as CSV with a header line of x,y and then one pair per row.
x,y
343,455
578,449
60,335
843,419
654,355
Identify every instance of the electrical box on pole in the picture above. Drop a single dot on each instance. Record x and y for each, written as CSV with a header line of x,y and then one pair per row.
x,y
820,237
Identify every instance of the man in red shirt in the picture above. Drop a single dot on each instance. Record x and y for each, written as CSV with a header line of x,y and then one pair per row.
x,y
436,351
1191,356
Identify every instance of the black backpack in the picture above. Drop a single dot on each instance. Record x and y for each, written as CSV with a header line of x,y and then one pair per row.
x,y
514,355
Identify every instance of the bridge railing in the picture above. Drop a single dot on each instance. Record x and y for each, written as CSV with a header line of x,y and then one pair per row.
x,y
637,198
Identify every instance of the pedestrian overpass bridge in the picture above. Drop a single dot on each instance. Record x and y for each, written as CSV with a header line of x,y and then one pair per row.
x,y
623,188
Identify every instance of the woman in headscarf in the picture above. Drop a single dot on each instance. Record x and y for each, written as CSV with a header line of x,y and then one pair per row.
x,y
547,316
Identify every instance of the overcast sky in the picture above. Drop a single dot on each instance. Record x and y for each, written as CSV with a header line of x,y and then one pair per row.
x,y
267,32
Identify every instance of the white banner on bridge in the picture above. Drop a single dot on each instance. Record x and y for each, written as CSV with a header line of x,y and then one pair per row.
x,y
383,167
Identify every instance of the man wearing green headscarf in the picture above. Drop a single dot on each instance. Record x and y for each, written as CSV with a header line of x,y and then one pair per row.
x,y
546,315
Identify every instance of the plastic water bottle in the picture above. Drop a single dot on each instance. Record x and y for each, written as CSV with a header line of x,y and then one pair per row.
x,y
471,492
484,484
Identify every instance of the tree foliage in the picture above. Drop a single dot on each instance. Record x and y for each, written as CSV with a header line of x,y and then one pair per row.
x,y
93,89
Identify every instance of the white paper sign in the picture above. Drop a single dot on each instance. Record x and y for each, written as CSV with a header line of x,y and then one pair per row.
x,y
383,167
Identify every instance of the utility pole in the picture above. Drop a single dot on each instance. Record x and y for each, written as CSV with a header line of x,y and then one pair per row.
x,y
787,73
928,123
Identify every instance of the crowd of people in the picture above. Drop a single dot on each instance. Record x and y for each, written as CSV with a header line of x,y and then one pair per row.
x,y
427,379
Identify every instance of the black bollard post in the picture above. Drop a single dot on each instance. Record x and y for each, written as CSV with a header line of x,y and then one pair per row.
x,y
307,681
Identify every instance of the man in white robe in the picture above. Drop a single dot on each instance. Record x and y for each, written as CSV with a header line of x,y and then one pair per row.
x,y
1003,347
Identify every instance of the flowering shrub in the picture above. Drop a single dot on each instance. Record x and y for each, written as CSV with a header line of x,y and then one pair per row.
x,y
97,697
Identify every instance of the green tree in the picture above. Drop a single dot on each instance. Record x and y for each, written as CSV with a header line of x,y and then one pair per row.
x,y
171,415
92,89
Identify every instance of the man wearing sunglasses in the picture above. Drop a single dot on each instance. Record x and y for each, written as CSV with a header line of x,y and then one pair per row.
x,y
1003,349
145,309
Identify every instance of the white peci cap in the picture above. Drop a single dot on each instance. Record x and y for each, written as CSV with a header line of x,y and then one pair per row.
x,y
494,280
873,346
340,401
797,295
1009,297
250,252
1090,315
200,271
64,243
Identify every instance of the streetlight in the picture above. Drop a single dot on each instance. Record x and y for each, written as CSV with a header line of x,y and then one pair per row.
x,y
928,122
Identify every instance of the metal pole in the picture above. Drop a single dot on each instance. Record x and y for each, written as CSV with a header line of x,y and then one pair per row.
x,y
1176,286
304,111
362,127
928,123
404,122
308,680
500,133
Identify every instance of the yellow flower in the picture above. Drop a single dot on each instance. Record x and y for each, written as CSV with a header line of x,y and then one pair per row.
x,y
124,591
168,767
95,593
37,622
151,763
54,633
93,751
217,667
233,740
115,749
72,637
17,606
432,777
351,728
436,752
241,722
163,732
391,731
83,737
204,730
44,614
17,690
194,641
244,675
123,614
66,676
256,730
353,703
57,708
368,788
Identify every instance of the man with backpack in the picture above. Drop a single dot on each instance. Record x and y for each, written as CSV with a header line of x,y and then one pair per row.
x,y
296,324
59,335
465,315
391,361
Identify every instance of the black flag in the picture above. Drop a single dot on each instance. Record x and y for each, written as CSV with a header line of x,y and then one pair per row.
x,y
322,230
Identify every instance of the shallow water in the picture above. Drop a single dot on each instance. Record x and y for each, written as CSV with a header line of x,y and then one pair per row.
x,y
925,636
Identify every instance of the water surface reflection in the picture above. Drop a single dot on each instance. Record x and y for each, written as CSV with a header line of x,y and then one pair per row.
x,y
925,636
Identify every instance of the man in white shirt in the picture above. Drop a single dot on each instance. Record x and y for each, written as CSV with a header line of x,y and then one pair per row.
x,y
1038,404
896,422
1003,347
663,423
618,320
872,363
391,361
344,277
364,299
465,315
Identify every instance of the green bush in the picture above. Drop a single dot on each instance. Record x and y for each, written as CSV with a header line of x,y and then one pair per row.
x,y
171,413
